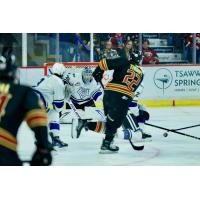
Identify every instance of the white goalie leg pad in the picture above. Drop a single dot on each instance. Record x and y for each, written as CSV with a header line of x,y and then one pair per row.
x,y
67,116
95,114
53,122
73,128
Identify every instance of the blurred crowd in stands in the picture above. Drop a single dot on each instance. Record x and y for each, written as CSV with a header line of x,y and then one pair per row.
x,y
120,44
75,47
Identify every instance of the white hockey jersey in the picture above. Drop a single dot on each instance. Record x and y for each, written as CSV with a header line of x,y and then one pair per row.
x,y
81,92
51,90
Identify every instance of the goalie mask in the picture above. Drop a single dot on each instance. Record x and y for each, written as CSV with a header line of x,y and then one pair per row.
x,y
87,75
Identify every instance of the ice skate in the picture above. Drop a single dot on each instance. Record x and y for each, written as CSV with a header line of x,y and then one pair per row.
x,y
108,147
56,142
146,137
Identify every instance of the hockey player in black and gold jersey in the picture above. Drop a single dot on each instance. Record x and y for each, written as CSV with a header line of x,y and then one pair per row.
x,y
118,94
18,103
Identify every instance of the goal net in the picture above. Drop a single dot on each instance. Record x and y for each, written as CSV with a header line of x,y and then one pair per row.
x,y
73,67
77,67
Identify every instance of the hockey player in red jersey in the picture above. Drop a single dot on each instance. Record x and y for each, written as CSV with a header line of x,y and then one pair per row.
x,y
18,103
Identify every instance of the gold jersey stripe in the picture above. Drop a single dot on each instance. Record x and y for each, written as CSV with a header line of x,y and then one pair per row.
x,y
37,123
103,64
7,134
7,140
120,91
118,85
7,144
35,112
119,88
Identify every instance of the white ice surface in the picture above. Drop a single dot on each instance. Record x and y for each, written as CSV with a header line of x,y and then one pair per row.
x,y
173,150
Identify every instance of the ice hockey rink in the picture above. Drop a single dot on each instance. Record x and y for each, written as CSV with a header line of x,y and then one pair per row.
x,y
174,150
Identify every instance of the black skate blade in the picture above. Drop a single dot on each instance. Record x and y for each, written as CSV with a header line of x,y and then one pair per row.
x,y
107,152
137,148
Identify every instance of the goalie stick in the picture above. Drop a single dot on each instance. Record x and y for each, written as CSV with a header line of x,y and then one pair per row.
x,y
72,106
172,130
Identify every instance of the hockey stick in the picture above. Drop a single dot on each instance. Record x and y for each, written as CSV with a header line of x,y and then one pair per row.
x,y
137,148
72,106
187,127
171,130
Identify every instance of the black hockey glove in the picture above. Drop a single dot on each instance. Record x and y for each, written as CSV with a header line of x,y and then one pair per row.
x,y
98,74
42,157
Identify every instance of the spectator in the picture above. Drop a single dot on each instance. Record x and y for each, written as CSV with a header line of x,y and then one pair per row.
x,y
133,37
117,41
103,37
97,53
150,56
82,48
188,47
108,52
128,48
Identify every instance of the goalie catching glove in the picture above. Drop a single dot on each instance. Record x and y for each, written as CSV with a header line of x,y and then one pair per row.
x,y
98,74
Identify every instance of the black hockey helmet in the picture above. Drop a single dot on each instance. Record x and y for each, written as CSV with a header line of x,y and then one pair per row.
x,y
136,57
7,67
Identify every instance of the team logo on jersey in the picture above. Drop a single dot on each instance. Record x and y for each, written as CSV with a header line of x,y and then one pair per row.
x,y
163,78
83,92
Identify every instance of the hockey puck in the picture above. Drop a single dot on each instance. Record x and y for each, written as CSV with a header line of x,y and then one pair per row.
x,y
165,134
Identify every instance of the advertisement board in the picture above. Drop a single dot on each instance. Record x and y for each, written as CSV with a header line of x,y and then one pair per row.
x,y
171,82
161,82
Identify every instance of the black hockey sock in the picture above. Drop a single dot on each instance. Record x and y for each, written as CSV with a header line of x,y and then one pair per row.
x,y
92,125
109,137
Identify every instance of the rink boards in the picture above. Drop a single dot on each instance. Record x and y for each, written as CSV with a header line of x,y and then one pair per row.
x,y
164,85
